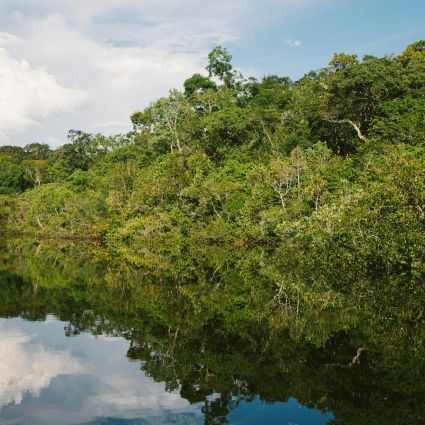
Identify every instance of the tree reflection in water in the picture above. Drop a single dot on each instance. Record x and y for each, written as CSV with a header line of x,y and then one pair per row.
x,y
220,327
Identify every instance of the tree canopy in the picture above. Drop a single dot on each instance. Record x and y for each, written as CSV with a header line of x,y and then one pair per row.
x,y
330,166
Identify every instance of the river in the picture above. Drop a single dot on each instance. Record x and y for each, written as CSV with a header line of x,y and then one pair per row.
x,y
88,339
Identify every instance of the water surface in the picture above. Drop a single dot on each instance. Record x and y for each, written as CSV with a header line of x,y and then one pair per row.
x,y
87,338
48,378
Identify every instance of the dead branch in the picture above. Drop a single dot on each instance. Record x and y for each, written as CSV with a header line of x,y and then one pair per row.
x,y
353,124
356,358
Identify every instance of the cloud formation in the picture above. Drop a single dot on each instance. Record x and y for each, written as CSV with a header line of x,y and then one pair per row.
x,y
75,383
77,64
26,367
291,42
29,93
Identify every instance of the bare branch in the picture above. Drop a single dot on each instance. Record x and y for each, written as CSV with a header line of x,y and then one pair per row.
x,y
353,124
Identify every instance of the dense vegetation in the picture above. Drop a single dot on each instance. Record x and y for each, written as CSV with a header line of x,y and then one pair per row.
x,y
255,236
328,172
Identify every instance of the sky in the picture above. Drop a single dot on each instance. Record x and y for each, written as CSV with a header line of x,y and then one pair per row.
x,y
89,64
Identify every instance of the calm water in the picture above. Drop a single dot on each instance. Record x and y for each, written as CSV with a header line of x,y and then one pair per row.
x,y
48,378
87,338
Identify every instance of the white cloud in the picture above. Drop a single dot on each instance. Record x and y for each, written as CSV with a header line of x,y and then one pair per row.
x,y
100,383
26,367
111,124
6,38
291,42
28,93
121,53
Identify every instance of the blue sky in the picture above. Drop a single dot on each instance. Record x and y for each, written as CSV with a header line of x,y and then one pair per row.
x,y
88,64
365,27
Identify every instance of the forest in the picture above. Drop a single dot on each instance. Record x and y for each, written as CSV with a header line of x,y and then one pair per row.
x,y
326,173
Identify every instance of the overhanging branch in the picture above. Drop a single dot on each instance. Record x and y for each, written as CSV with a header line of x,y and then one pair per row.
x,y
353,124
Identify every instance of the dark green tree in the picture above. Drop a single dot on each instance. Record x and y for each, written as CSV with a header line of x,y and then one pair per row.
x,y
197,83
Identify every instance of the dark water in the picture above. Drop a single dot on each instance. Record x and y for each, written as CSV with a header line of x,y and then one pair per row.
x,y
87,338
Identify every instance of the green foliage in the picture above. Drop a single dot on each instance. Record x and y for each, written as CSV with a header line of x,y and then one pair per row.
x,y
12,151
413,52
226,128
54,208
11,175
219,65
401,121
342,61
198,83
37,151
245,224
6,209
354,95
326,170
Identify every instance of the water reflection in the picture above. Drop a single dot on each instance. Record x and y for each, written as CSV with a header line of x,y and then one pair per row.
x,y
26,366
48,378
51,379
211,338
